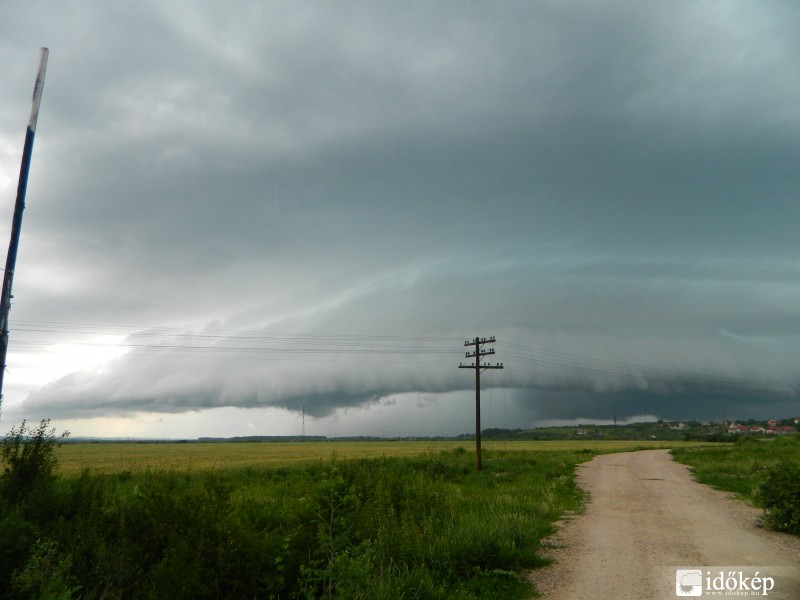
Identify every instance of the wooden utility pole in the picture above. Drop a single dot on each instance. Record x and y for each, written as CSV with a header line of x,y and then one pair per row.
x,y
477,354
16,223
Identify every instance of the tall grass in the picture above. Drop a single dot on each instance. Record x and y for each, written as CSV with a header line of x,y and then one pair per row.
x,y
426,526
763,472
739,467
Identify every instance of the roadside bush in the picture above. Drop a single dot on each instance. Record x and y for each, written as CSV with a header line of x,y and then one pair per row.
x,y
17,538
28,505
779,495
29,460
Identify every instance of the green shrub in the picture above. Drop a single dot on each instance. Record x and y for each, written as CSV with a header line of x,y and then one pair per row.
x,y
17,538
779,495
29,460
46,575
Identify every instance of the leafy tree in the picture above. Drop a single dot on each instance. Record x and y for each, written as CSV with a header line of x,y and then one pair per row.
x,y
29,459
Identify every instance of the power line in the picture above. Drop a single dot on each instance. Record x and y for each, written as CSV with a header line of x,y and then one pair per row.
x,y
234,344
238,344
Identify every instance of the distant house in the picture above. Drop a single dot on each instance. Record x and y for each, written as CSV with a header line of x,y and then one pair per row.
x,y
580,432
773,422
757,429
738,429
781,430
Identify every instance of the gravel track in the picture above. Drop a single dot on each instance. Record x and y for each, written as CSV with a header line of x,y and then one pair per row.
x,y
647,517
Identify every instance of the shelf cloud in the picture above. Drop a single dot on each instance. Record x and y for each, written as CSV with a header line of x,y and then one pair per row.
x,y
310,207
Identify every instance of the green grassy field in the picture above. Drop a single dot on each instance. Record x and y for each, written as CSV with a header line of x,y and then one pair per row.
x,y
739,467
288,520
762,471
335,519
303,520
134,457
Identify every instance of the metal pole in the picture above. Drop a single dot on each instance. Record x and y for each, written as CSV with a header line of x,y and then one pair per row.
x,y
16,223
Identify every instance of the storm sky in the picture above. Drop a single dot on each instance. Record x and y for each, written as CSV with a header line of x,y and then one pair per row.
x,y
241,211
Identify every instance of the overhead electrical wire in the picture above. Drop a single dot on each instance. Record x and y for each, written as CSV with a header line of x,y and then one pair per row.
x,y
218,343
229,342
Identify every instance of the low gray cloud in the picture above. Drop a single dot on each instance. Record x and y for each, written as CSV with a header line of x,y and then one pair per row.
x,y
587,182
599,341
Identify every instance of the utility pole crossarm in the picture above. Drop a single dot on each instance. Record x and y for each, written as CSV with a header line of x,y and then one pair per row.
x,y
488,352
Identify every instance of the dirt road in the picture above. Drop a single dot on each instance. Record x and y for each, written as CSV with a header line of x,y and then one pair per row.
x,y
645,519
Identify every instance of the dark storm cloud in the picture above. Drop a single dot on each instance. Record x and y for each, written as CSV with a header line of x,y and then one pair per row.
x,y
612,182
701,405
593,339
